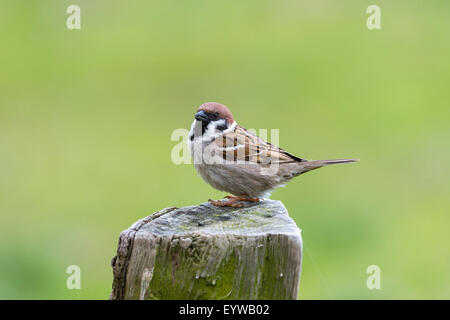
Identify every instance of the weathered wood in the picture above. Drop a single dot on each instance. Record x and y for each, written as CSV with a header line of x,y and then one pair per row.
x,y
208,252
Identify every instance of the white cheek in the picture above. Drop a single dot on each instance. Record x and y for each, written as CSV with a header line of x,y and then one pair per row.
x,y
211,129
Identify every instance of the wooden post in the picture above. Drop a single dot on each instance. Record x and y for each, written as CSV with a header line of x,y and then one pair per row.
x,y
208,252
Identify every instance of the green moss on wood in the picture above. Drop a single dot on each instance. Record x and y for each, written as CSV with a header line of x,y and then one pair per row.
x,y
206,252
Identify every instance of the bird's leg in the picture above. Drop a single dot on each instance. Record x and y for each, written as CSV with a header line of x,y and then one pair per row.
x,y
231,201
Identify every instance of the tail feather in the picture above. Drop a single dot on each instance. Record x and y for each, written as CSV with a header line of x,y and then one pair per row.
x,y
315,164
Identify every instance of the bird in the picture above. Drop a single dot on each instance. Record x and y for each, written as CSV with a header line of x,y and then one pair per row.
x,y
232,159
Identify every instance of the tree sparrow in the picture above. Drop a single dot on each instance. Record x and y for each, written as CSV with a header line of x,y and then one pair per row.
x,y
234,160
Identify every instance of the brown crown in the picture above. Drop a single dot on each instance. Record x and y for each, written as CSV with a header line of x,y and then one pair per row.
x,y
219,108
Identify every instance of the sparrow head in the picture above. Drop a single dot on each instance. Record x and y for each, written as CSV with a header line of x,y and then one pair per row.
x,y
215,116
213,111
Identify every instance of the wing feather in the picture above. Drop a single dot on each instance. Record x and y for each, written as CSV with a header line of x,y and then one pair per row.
x,y
242,145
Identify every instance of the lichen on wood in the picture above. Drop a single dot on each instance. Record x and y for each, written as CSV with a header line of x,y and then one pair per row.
x,y
209,252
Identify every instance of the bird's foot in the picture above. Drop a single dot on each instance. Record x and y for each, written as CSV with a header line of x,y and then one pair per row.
x,y
231,201
243,198
225,203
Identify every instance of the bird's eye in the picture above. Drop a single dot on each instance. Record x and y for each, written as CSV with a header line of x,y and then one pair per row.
x,y
215,116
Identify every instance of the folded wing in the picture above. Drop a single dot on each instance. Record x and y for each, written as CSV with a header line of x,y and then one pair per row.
x,y
242,145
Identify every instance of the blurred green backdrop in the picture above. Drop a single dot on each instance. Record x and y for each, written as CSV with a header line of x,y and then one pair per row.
x,y
86,117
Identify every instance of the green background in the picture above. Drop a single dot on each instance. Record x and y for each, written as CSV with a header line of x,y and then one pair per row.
x,y
86,118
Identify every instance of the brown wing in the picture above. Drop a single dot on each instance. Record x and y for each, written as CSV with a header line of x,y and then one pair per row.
x,y
242,145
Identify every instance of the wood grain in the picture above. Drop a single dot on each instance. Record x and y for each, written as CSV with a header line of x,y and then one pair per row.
x,y
208,252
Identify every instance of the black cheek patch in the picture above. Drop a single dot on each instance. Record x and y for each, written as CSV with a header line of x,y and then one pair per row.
x,y
222,127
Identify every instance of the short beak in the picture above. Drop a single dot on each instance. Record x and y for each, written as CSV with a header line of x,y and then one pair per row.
x,y
201,116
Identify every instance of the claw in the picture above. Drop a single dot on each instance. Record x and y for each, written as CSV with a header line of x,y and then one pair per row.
x,y
217,203
231,201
